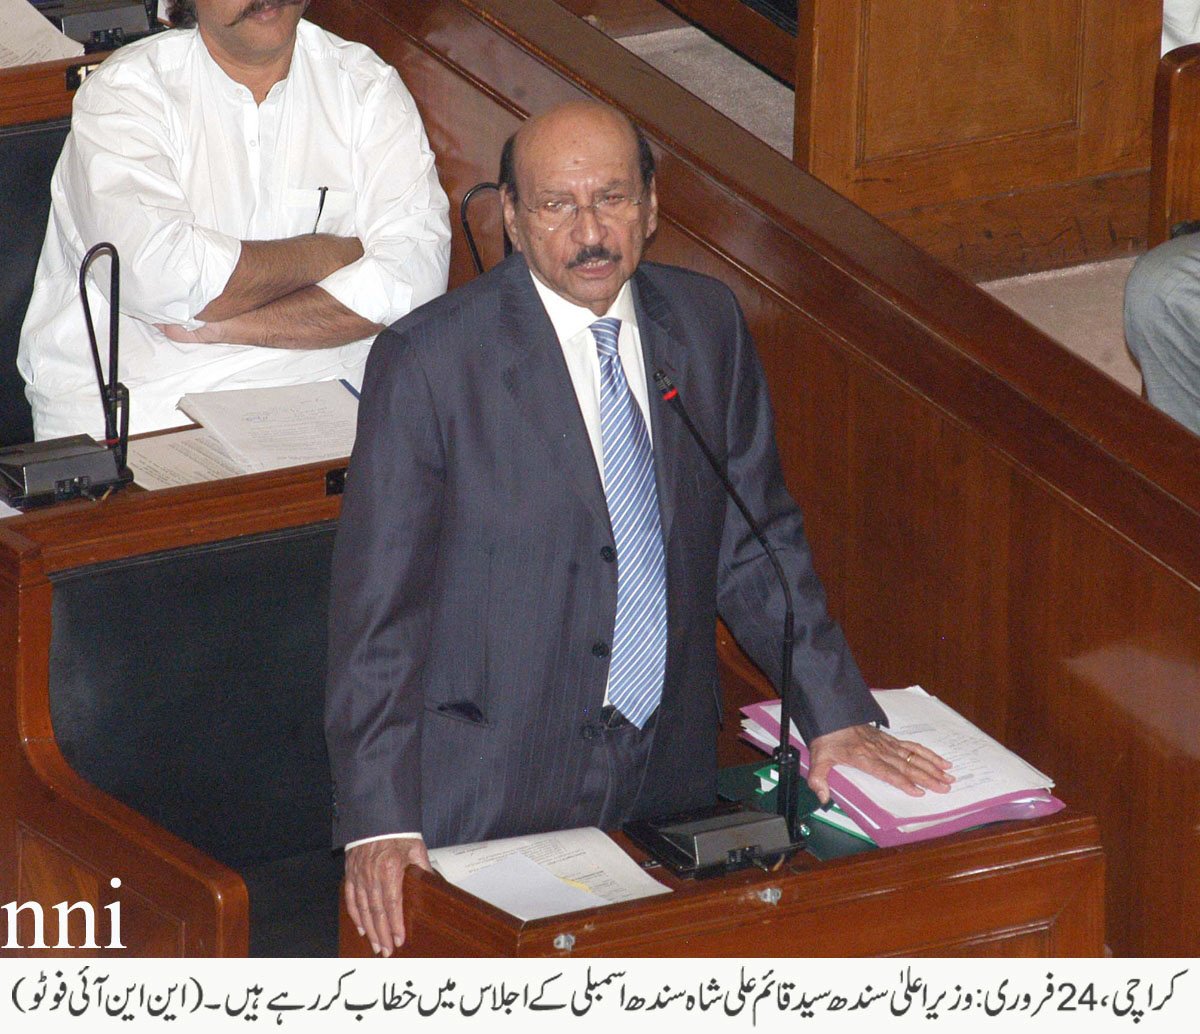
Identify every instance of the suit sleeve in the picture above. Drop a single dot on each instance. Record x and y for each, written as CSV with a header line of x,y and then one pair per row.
x,y
381,585
832,693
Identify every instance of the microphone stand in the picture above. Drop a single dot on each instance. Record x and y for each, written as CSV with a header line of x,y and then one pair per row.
x,y
78,466
113,394
786,757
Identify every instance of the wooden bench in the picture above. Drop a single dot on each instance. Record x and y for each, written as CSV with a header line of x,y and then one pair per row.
x,y
163,683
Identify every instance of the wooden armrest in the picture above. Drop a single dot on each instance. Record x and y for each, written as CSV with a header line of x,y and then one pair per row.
x,y
1175,153
72,839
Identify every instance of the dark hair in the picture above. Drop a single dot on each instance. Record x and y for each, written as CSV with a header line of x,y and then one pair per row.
x,y
507,178
181,14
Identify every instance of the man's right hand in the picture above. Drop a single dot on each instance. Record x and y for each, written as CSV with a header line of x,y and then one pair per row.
x,y
375,888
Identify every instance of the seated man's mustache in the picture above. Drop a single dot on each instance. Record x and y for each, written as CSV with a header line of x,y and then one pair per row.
x,y
258,6
591,253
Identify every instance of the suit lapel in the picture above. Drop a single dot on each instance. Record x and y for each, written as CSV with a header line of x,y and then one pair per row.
x,y
662,350
538,379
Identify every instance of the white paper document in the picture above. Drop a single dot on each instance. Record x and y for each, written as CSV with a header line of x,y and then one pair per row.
x,y
983,769
546,874
180,458
27,37
269,428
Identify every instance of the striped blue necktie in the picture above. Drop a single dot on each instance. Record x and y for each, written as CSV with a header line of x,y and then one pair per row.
x,y
639,649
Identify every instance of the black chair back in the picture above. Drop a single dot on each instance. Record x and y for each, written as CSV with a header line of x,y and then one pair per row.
x,y
28,154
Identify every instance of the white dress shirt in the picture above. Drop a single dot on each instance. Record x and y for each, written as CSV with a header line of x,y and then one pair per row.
x,y
175,164
1181,23
571,324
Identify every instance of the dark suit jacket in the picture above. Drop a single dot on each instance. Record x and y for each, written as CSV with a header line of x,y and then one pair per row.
x,y
470,584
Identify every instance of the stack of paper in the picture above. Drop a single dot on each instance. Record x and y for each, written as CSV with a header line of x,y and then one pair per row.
x,y
249,430
991,782
27,38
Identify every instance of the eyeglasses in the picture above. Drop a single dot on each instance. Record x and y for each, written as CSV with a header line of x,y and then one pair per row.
x,y
610,209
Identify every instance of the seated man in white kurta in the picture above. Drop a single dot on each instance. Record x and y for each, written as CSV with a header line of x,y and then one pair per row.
x,y
272,196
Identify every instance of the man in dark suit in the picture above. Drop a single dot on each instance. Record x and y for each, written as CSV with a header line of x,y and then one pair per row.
x,y
533,552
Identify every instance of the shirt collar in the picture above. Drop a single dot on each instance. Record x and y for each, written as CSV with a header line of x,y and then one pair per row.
x,y
231,86
570,319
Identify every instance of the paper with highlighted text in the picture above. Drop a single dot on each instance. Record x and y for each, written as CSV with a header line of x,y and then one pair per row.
x,y
546,874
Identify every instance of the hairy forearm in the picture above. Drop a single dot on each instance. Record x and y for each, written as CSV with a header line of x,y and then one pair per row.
x,y
268,271
305,319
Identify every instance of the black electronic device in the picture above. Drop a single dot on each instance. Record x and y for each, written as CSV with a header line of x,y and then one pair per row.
x,y
78,466
64,468
81,20
712,841
727,836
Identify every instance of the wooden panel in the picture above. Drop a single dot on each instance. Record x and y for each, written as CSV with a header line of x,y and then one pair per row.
x,y
32,93
49,875
908,109
745,30
1031,888
1041,228
1031,50
1110,703
618,18
1175,183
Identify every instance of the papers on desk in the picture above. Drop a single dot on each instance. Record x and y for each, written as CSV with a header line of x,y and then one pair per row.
x,y
27,37
546,874
269,428
991,782
249,430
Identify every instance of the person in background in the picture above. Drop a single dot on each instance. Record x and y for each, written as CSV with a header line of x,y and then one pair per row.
x,y
273,200
1162,294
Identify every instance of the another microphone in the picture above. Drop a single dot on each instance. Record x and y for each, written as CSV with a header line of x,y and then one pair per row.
x,y
78,467
786,757
113,394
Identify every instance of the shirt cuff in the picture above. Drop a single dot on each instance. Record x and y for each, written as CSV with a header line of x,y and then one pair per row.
x,y
365,289
219,258
383,836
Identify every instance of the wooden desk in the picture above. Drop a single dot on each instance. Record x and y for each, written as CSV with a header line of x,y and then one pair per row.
x,y
1020,889
33,93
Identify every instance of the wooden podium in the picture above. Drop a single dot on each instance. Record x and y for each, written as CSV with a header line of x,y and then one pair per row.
x,y
1033,888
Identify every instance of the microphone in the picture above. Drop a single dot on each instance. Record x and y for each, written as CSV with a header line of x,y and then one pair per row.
x,y
113,394
77,467
786,757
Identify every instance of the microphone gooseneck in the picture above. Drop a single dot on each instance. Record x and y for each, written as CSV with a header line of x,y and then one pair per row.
x,y
786,757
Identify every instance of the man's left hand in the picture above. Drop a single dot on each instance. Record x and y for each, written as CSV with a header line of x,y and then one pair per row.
x,y
902,763
205,334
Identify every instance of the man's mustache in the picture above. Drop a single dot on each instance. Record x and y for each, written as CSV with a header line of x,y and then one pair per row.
x,y
591,253
258,6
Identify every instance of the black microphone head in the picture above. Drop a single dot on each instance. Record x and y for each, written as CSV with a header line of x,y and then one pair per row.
x,y
663,382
